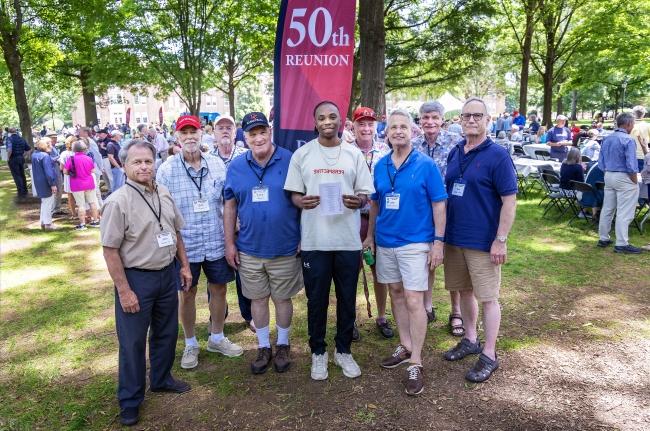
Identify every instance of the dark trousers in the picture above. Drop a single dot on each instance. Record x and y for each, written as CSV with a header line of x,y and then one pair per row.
x,y
17,167
157,294
319,268
244,303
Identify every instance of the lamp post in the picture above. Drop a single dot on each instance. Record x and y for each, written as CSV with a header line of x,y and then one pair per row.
x,y
624,85
52,113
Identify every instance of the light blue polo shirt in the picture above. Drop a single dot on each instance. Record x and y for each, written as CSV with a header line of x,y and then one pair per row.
x,y
418,183
267,229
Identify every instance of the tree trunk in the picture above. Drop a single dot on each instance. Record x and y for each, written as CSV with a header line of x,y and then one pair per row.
x,y
372,48
525,62
574,105
559,107
231,97
13,59
355,91
88,94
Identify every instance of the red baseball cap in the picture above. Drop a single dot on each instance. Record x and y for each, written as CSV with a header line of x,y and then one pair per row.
x,y
187,120
363,113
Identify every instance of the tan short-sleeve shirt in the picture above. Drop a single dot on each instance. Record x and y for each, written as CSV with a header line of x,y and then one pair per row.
x,y
130,225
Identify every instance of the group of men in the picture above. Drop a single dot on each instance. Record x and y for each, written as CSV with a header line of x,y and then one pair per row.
x,y
282,222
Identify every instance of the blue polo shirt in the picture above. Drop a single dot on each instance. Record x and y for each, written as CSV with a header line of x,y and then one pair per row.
x,y
267,229
488,174
558,134
418,183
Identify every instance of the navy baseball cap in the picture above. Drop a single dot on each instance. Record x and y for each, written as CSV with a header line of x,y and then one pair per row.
x,y
254,119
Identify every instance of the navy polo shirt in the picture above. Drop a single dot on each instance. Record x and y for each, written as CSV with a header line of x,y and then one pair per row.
x,y
418,182
267,229
558,134
488,174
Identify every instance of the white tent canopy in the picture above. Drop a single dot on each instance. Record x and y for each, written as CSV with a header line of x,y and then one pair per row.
x,y
450,102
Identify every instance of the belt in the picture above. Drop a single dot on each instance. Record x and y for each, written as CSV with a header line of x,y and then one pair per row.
x,y
152,270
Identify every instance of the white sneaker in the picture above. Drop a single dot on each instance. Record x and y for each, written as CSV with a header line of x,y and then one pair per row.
x,y
319,366
225,347
190,357
348,364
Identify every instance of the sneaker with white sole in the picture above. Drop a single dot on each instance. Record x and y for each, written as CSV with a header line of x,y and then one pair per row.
x,y
225,347
319,366
348,364
190,357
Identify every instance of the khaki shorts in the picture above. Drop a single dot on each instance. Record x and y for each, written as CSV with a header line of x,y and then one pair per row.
x,y
85,197
406,264
280,277
467,269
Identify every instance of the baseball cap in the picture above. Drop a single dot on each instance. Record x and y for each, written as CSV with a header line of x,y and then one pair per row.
x,y
52,133
254,119
187,120
561,117
227,118
116,132
363,113
103,131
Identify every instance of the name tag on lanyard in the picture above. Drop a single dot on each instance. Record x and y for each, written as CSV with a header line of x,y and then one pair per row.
x,y
458,189
201,205
392,201
165,239
260,194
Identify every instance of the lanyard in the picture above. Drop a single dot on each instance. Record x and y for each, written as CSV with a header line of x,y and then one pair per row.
x,y
250,165
200,184
226,161
461,155
149,205
372,157
393,178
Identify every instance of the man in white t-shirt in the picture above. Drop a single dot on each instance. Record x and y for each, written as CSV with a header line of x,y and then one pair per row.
x,y
330,181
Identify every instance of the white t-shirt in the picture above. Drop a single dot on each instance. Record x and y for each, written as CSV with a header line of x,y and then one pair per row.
x,y
313,164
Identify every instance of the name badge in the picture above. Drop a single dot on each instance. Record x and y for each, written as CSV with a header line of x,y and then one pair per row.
x,y
165,239
201,205
260,194
458,189
392,201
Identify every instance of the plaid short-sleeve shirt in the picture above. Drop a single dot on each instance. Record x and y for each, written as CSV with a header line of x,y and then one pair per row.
x,y
203,232
440,150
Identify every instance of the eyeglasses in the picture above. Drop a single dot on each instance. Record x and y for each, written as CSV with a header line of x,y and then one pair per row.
x,y
477,116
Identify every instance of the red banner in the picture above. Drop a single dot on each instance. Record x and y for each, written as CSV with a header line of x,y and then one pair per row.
x,y
128,116
314,55
160,116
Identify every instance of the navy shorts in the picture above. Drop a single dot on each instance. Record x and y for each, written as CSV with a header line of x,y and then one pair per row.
x,y
217,271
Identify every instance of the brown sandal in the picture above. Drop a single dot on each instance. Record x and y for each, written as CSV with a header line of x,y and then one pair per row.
x,y
456,330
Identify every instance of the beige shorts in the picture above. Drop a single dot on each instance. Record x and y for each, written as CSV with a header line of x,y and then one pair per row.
x,y
406,264
280,277
85,197
467,269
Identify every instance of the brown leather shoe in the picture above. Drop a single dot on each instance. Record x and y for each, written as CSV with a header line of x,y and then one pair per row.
x,y
415,380
262,362
399,357
282,360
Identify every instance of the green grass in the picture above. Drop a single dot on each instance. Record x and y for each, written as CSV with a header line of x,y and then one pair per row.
x,y
59,351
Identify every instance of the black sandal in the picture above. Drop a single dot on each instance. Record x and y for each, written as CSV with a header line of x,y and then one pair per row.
x,y
456,330
462,349
482,370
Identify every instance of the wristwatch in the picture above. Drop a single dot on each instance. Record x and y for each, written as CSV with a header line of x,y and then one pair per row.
x,y
502,238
